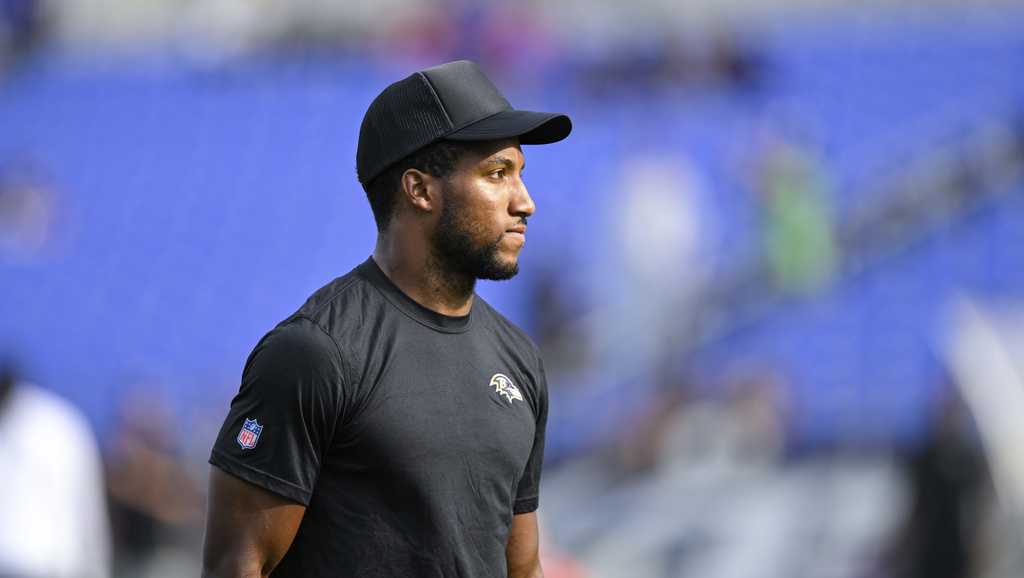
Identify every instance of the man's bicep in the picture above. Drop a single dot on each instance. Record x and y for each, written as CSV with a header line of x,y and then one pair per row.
x,y
248,529
281,423
523,550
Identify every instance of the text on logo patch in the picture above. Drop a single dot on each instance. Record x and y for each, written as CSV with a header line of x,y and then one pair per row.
x,y
250,434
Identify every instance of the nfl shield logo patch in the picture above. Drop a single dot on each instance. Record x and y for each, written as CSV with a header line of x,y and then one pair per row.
x,y
250,434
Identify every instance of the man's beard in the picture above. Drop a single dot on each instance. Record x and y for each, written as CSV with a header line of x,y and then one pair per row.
x,y
458,252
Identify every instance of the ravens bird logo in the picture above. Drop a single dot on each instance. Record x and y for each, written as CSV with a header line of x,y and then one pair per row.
x,y
503,386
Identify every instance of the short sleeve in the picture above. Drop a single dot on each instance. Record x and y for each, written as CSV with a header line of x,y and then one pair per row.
x,y
528,490
282,420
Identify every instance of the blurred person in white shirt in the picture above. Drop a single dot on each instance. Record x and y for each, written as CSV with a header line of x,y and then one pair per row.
x,y
54,520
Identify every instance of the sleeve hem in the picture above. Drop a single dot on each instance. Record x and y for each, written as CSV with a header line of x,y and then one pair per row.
x,y
526,505
256,477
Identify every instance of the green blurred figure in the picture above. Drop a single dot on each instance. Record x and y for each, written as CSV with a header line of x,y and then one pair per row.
x,y
798,228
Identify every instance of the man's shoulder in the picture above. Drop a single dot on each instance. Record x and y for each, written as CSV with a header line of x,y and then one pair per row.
x,y
320,331
337,291
339,304
326,322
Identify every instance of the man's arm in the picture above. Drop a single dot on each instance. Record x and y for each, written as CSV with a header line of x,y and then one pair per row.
x,y
248,529
523,550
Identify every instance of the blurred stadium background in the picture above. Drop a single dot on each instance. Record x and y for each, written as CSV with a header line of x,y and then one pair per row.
x,y
777,271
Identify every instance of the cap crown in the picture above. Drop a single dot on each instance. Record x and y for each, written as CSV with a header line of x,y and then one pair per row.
x,y
420,109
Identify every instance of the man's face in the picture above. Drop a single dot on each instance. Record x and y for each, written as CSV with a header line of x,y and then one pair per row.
x,y
482,226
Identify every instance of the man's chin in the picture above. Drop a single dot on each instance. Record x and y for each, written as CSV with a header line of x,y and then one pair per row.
x,y
499,271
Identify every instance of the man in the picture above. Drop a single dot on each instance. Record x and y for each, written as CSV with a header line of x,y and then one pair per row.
x,y
394,425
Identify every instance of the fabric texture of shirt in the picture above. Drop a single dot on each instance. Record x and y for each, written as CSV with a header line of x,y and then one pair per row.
x,y
411,437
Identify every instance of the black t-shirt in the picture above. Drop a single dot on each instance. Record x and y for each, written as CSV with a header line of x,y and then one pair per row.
x,y
411,437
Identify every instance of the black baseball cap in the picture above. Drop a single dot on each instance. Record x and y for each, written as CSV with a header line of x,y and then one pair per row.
x,y
453,101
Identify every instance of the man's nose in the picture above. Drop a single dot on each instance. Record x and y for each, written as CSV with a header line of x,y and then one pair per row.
x,y
522,203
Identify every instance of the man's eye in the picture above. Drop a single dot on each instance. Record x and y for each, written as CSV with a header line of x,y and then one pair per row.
x,y
498,174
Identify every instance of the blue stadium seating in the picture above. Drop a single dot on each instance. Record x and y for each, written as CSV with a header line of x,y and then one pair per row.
x,y
198,206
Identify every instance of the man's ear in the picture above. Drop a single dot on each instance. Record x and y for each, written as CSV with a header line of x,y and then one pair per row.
x,y
421,190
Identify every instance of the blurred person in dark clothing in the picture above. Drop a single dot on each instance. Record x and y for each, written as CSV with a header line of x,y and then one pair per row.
x,y
554,321
154,504
946,476
22,28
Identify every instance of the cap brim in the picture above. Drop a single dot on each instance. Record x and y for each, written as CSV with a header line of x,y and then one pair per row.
x,y
530,127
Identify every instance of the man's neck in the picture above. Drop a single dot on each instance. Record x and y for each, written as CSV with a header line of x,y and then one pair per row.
x,y
413,268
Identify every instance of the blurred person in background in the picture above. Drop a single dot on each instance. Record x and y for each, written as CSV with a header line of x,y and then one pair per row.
x,y
155,506
51,494
394,426
506,37
554,313
682,433
27,207
23,27
948,480
659,266
794,189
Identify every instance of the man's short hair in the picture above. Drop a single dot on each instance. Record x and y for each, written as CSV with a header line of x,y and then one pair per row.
x,y
438,159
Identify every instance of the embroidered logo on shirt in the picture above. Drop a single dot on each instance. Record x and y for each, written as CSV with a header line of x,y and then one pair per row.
x,y
250,434
504,387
